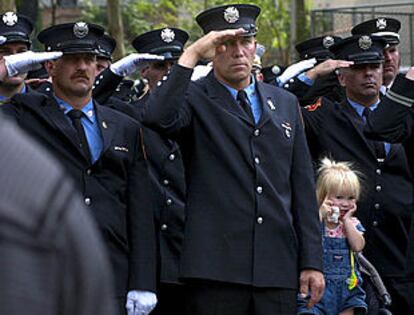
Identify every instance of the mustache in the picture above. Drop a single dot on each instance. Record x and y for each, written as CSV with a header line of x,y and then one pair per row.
x,y
80,74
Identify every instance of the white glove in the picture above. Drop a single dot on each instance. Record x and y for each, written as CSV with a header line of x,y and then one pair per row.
x,y
132,62
140,302
2,40
29,60
295,69
200,72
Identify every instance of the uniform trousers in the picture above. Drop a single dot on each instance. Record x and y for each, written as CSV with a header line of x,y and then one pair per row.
x,y
220,298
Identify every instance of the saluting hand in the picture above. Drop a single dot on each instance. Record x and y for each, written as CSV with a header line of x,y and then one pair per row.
x,y
26,61
207,46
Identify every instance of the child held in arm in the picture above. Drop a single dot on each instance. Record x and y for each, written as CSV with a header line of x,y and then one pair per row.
x,y
338,189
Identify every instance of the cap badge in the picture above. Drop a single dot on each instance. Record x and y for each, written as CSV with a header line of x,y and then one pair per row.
x,y
381,23
328,41
10,18
231,15
167,35
80,29
365,42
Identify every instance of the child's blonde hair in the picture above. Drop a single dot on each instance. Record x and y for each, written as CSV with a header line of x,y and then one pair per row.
x,y
336,177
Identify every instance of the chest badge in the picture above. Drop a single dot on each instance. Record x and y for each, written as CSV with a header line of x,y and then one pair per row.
x,y
288,129
270,104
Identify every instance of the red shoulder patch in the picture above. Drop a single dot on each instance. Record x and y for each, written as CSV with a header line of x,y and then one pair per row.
x,y
313,107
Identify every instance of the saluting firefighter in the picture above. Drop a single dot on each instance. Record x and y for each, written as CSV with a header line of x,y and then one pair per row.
x,y
251,232
337,130
100,149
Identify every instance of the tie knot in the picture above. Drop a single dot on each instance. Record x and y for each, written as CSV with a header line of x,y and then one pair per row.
x,y
242,96
366,112
75,114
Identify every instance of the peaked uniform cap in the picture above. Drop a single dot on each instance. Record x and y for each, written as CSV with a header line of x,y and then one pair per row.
x,y
106,46
168,42
230,16
387,28
317,47
361,49
72,38
15,27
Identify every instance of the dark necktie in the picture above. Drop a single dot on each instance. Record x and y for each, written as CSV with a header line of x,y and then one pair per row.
x,y
244,103
76,115
378,145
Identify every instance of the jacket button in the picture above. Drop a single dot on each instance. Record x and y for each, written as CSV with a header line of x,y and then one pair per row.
x,y
378,171
259,189
378,188
291,80
88,201
166,182
171,157
257,160
164,227
88,171
259,220
377,206
374,223
256,132
169,202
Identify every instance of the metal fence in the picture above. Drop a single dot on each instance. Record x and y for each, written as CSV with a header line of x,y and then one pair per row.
x,y
339,21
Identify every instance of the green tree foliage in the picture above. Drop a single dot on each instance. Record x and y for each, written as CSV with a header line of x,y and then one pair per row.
x,y
140,16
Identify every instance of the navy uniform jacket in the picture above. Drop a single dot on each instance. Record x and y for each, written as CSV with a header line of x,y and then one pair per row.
x,y
336,130
251,212
394,122
115,187
167,174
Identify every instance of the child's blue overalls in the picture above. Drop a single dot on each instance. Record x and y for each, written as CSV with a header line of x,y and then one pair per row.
x,y
337,270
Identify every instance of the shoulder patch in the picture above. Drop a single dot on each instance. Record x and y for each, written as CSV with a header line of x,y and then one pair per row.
x,y
313,107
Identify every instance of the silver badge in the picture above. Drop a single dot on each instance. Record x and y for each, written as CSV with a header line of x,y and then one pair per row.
x,y
80,29
167,35
365,42
381,23
231,15
288,129
270,104
10,18
328,41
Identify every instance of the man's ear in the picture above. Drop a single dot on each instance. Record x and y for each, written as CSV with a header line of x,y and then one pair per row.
x,y
50,67
341,77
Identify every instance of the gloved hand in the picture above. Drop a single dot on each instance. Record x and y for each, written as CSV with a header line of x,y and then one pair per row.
x,y
201,71
28,60
295,69
131,63
2,40
140,302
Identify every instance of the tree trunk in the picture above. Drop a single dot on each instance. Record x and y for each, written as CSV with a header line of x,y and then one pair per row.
x,y
115,27
7,5
302,28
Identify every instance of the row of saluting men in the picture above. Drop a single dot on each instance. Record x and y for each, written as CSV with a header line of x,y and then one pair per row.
x,y
191,155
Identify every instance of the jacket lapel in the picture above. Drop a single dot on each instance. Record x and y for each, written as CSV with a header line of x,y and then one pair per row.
x,y
52,113
107,124
220,94
268,103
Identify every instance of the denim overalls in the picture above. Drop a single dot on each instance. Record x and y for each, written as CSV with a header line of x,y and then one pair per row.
x,y
337,271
